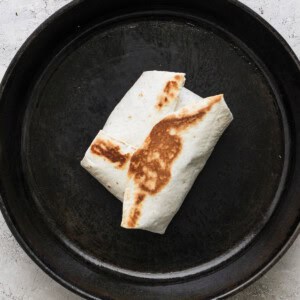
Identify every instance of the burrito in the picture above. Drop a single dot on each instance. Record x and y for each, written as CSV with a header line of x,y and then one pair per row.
x,y
163,169
153,146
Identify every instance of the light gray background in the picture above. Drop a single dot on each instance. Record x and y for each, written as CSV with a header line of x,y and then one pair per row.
x,y
20,278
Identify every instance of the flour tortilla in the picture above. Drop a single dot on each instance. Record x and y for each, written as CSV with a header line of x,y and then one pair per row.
x,y
150,203
153,96
110,166
187,97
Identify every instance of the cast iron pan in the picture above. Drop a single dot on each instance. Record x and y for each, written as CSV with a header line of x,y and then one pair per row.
x,y
243,211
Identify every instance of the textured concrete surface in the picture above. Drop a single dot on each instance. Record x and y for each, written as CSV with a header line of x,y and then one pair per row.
x,y
20,278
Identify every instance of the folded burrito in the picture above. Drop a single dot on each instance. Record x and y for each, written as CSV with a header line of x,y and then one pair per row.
x,y
153,146
153,96
163,169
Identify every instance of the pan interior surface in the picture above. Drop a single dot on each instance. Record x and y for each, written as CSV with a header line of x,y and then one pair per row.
x,y
68,104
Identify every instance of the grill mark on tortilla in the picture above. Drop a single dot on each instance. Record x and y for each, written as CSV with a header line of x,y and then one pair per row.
x,y
110,151
170,91
136,211
150,166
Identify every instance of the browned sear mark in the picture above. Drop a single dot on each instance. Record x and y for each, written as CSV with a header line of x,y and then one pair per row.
x,y
110,151
150,166
170,91
136,211
134,216
170,85
140,198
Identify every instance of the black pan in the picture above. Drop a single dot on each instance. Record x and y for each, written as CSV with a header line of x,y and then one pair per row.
x,y
242,212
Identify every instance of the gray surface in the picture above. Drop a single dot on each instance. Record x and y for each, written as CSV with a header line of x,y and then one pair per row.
x,y
20,278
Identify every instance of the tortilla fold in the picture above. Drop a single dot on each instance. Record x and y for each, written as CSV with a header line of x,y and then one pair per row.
x,y
107,159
